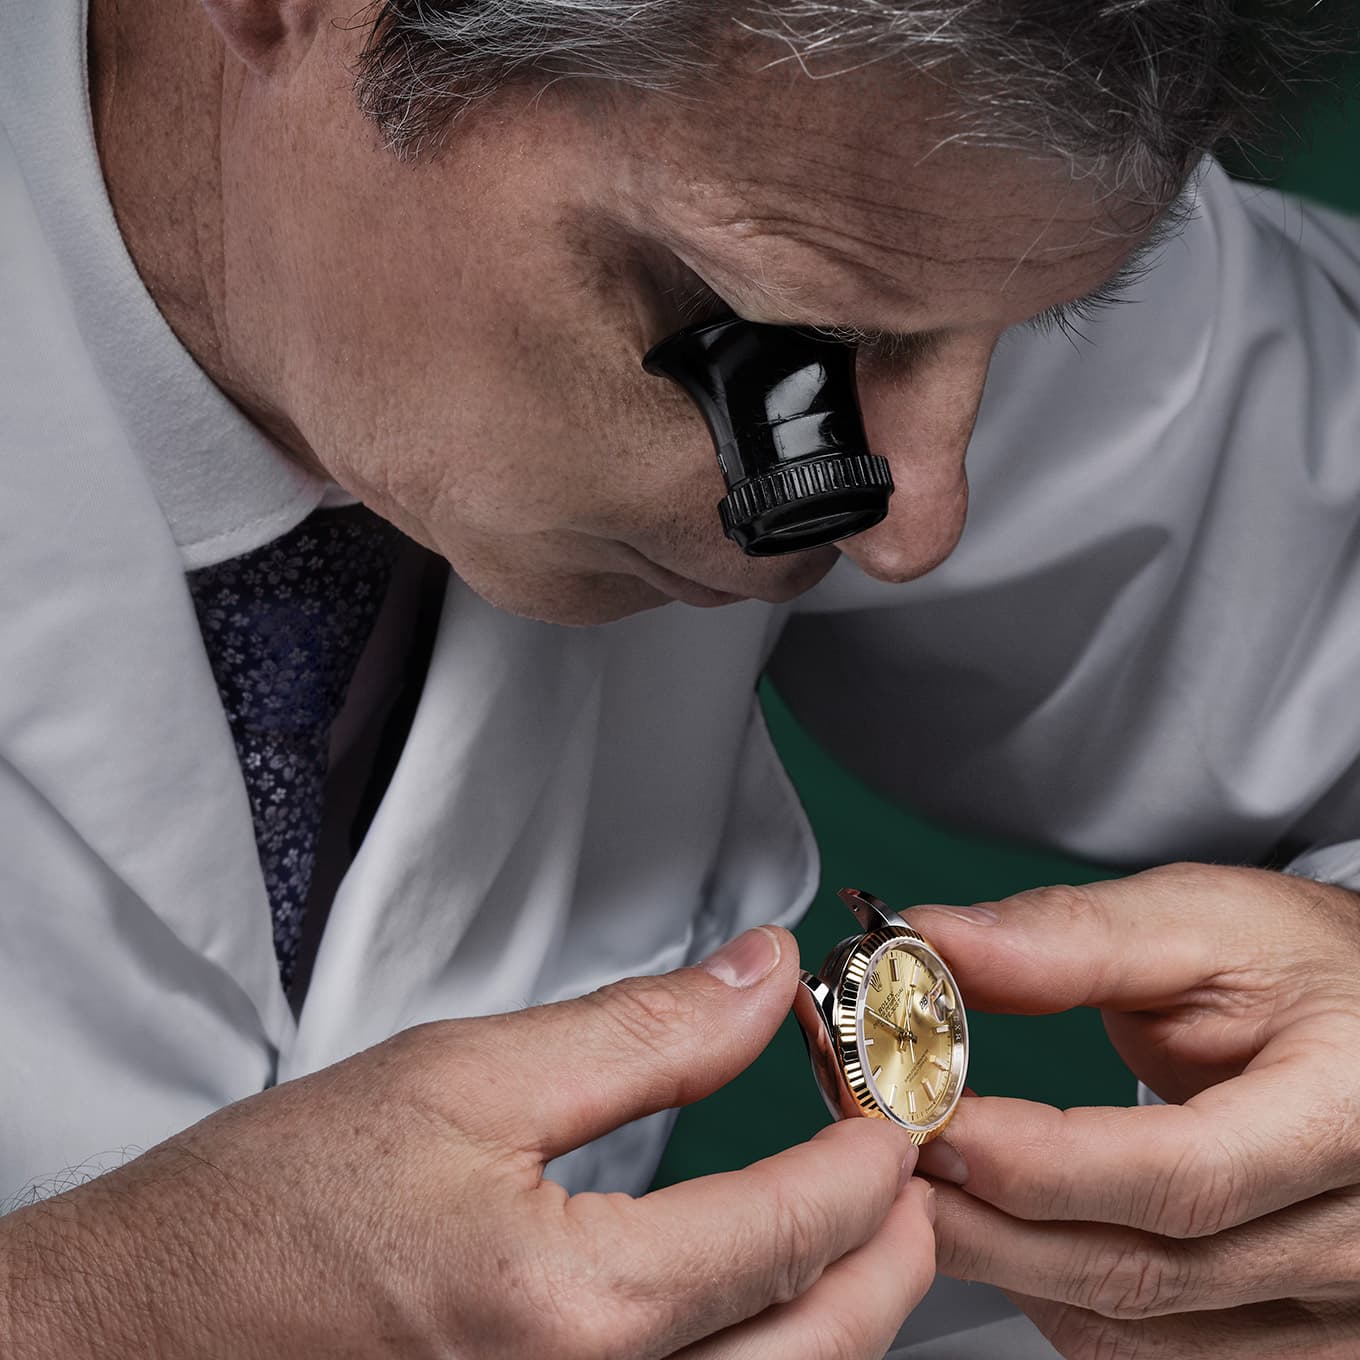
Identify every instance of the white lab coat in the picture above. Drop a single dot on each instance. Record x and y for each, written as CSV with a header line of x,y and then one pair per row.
x,y
1143,649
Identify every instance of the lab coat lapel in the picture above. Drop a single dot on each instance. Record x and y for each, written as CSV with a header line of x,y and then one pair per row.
x,y
483,815
108,706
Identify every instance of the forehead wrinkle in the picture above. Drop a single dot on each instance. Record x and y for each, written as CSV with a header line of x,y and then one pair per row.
x,y
874,260
868,220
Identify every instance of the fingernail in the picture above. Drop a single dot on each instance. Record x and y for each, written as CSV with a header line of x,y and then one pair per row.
x,y
744,961
908,1167
930,1203
944,1162
975,916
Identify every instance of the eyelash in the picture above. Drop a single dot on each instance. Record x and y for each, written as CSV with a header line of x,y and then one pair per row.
x,y
1069,317
1114,292
700,303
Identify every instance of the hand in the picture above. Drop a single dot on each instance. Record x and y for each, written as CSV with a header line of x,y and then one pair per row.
x,y
394,1205
1226,1225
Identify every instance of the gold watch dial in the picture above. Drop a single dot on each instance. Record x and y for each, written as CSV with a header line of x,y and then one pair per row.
x,y
913,1034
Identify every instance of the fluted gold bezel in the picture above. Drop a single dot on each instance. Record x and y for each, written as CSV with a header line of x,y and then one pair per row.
x,y
849,1027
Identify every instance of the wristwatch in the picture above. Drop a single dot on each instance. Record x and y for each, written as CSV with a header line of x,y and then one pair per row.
x,y
885,1025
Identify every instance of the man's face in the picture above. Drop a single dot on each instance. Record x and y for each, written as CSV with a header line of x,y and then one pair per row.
x,y
460,341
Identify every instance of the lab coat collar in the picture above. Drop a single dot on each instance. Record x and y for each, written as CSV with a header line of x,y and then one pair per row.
x,y
109,703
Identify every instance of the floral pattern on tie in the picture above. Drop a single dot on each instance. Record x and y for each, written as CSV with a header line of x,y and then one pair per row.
x,y
284,626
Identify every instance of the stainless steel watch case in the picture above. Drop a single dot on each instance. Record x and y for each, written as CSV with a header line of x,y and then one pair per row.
x,y
820,1004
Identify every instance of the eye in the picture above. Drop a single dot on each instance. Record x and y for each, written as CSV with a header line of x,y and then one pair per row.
x,y
697,303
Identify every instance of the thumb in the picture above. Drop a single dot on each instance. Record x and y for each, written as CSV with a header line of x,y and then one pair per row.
x,y
646,1043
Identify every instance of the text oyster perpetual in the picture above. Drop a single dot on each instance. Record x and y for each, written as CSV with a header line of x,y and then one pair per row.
x,y
884,1024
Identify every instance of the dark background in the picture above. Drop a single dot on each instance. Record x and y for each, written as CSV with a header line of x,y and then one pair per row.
x,y
1313,148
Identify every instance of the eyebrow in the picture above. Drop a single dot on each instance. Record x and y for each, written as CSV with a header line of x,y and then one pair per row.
x,y
1062,316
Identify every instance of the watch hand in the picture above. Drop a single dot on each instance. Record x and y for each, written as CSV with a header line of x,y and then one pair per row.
x,y
887,1024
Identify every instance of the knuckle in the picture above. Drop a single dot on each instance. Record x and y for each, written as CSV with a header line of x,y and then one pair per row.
x,y
851,1334
413,1067
963,1254
1145,1280
1086,1336
620,1300
643,1010
799,1238
1070,899
1201,1194
1191,874
563,1313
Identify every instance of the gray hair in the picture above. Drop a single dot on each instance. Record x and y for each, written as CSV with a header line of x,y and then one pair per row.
x,y
1135,89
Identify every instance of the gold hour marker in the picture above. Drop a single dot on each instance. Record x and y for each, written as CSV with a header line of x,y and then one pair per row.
x,y
868,1042
915,968
943,1066
911,1101
941,1029
892,1095
892,964
929,1089
877,1070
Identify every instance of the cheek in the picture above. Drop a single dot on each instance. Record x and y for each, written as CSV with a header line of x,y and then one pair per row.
x,y
543,436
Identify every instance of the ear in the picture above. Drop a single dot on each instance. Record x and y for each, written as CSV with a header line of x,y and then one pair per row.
x,y
268,36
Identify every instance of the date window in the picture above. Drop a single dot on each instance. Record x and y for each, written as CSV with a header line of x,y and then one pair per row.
x,y
935,1004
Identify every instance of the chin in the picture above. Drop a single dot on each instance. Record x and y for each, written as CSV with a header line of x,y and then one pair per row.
x,y
573,601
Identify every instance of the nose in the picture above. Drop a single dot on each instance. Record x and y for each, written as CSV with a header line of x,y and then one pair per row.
x,y
919,415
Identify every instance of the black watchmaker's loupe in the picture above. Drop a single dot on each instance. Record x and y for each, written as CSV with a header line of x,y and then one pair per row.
x,y
781,405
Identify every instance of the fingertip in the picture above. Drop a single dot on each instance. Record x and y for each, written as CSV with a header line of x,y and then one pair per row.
x,y
911,1154
866,1132
875,1148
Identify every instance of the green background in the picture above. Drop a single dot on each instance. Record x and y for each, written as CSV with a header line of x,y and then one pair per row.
x,y
873,844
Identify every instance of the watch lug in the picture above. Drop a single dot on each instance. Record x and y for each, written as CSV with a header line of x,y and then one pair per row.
x,y
812,1006
870,911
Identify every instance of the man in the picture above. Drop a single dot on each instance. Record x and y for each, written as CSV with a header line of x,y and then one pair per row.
x,y
244,303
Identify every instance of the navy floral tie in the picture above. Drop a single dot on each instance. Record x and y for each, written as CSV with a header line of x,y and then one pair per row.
x,y
284,626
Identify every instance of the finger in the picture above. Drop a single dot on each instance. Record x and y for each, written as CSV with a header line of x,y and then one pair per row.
x,y
1261,1142
1285,1330
1131,943
1306,1252
582,1067
857,1306
732,1245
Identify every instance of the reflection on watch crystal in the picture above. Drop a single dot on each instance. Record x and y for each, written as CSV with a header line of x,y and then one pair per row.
x,y
908,1035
